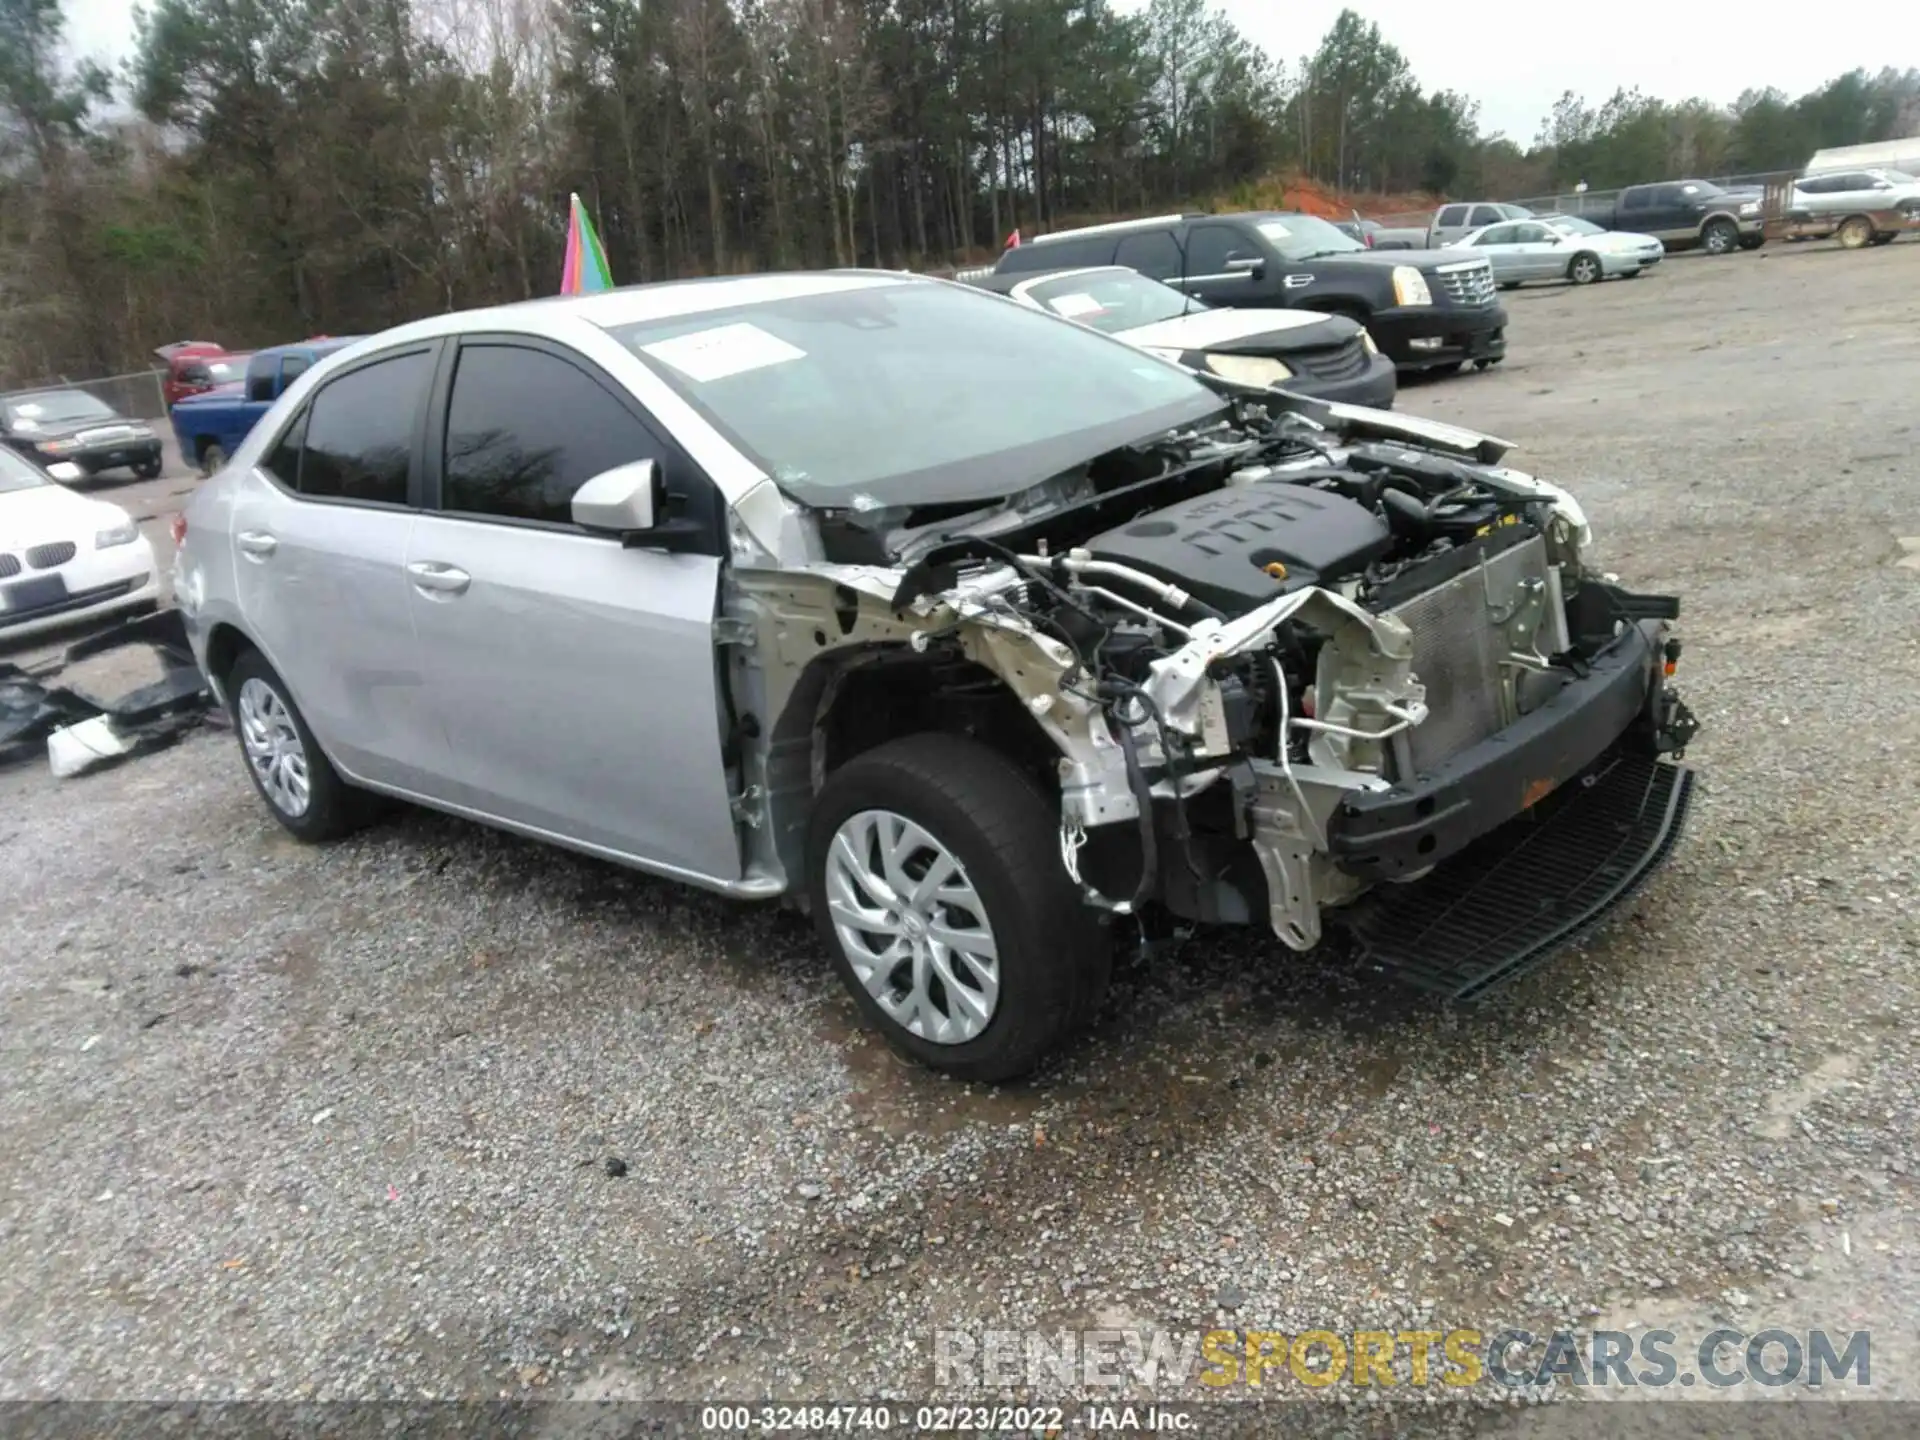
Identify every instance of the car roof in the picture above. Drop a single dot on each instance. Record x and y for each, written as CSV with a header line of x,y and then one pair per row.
x,y
660,300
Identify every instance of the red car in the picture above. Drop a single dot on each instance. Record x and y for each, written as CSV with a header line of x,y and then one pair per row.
x,y
195,366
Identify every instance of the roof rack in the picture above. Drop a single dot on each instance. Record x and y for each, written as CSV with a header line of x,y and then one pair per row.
x,y
1118,225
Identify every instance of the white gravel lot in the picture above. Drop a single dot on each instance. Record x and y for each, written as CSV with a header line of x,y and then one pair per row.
x,y
279,1121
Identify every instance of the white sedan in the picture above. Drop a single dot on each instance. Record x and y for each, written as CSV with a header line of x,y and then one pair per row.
x,y
1560,247
65,556
1326,357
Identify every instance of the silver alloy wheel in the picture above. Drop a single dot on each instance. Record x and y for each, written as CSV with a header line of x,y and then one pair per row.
x,y
1718,242
912,927
273,747
1585,270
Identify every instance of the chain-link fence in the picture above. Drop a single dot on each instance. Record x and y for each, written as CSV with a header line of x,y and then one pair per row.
x,y
137,396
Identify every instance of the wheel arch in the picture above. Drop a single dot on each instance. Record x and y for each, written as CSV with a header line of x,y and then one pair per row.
x,y
853,699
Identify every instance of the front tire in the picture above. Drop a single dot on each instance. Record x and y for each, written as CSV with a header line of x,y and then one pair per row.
x,y
1721,237
148,469
284,761
1584,269
935,879
1855,233
212,458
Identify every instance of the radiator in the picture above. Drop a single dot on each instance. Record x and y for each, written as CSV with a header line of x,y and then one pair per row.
x,y
1462,630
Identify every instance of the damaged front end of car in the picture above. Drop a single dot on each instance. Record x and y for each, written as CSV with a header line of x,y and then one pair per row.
x,y
1312,661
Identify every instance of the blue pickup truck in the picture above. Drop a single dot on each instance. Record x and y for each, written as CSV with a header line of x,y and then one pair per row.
x,y
211,425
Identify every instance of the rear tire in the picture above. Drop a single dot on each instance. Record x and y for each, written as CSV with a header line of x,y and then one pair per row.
x,y
212,458
286,764
1721,237
1584,269
1855,233
148,469
1023,961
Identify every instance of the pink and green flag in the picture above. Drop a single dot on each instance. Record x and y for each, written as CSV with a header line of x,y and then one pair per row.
x,y
586,267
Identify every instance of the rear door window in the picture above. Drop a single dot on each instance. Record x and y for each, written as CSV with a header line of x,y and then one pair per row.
x,y
1496,235
1451,215
355,440
1486,215
1156,255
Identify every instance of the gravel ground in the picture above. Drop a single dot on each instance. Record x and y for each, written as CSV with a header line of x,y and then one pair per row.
x,y
440,1112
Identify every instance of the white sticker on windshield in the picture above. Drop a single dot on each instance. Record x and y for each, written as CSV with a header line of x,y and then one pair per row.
x,y
1075,305
1274,230
24,424
722,351
26,409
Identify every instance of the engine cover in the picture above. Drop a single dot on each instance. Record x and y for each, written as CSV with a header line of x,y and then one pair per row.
x,y
1217,545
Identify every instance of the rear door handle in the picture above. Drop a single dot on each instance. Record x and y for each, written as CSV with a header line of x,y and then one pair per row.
x,y
256,543
438,579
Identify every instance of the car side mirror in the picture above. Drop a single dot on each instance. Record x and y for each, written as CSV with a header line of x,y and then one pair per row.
x,y
632,503
1251,266
619,501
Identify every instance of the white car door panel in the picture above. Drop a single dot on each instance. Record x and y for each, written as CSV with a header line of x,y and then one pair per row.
x,y
320,533
576,677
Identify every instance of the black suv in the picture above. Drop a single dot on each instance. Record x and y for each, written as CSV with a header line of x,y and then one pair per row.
x,y
1427,309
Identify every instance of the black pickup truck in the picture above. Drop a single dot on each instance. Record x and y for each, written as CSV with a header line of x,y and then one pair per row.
x,y
1426,309
1687,215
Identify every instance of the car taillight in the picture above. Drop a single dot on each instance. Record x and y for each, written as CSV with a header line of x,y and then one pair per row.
x,y
177,527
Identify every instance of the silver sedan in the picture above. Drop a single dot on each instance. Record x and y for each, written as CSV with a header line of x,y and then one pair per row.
x,y
1560,247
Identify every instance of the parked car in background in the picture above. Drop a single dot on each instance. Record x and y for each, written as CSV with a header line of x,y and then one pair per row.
x,y
199,372
1359,228
64,556
1328,357
1426,309
173,358
1687,214
1567,248
1858,207
962,628
1456,221
210,426
81,429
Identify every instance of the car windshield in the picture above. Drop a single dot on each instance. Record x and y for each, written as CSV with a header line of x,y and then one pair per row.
x,y
1703,187
1112,300
57,407
1574,225
1896,177
17,474
1306,237
913,393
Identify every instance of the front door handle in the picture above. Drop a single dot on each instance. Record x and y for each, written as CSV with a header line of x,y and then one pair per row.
x,y
438,579
256,543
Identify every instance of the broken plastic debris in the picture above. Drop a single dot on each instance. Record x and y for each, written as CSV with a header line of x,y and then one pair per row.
x,y
323,1116
89,1042
75,749
1503,1220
